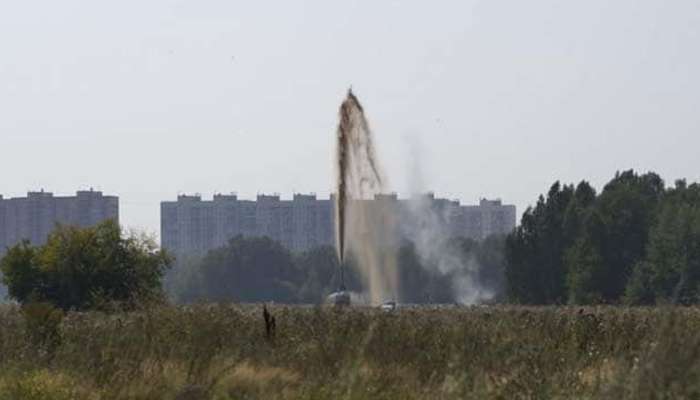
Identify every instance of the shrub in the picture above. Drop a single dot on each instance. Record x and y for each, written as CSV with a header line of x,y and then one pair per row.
x,y
79,267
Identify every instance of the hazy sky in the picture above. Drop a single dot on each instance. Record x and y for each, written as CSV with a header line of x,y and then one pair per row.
x,y
147,99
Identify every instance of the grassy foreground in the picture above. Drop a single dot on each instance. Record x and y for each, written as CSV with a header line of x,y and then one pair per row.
x,y
222,352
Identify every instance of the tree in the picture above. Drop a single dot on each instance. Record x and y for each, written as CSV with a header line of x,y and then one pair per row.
x,y
628,207
639,289
421,283
249,269
577,211
584,263
535,270
671,269
78,267
182,282
491,260
320,268
580,247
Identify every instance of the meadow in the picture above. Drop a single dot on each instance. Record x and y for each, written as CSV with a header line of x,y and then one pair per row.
x,y
225,352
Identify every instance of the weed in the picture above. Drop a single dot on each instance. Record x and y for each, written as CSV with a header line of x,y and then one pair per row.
x,y
217,352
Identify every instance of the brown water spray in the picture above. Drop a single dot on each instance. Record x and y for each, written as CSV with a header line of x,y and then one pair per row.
x,y
363,227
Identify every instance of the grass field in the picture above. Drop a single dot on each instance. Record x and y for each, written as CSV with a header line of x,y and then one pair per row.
x,y
223,352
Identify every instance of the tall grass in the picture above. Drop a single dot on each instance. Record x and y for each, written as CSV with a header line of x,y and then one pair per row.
x,y
223,352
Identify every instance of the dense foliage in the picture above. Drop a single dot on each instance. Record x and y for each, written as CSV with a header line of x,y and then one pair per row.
x,y
254,269
80,267
635,242
219,352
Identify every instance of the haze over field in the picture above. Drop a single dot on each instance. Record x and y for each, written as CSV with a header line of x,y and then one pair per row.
x,y
148,99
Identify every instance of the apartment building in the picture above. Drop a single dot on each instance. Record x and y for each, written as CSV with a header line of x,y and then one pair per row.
x,y
34,217
193,226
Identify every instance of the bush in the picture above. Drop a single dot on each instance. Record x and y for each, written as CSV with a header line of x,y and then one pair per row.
x,y
80,267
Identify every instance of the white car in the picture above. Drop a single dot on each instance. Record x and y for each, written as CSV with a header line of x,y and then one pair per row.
x,y
339,298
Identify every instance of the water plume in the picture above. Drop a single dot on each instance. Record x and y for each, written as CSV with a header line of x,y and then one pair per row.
x,y
426,223
364,228
427,226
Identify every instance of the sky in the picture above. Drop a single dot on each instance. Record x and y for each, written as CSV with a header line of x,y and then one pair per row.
x,y
150,99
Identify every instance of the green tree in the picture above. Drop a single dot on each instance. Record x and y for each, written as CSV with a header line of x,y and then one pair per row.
x,y
78,267
628,207
584,263
671,269
577,211
182,282
639,289
490,258
320,269
535,270
580,247
420,283
249,269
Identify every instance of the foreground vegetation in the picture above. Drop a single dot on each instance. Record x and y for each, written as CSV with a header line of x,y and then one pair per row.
x,y
223,352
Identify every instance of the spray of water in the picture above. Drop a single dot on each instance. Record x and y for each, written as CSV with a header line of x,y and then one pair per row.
x,y
427,228
426,225
364,228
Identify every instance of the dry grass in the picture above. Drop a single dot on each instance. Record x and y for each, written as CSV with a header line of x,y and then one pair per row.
x,y
221,352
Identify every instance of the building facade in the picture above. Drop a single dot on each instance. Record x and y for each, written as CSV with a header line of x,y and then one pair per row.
x,y
35,216
192,226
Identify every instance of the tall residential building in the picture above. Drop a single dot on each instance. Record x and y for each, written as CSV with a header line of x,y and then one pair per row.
x,y
35,216
192,226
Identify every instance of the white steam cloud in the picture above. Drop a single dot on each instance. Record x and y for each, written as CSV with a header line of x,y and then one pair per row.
x,y
427,226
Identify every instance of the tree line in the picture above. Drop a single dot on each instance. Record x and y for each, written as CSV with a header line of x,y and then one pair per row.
x,y
256,269
636,242
101,266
